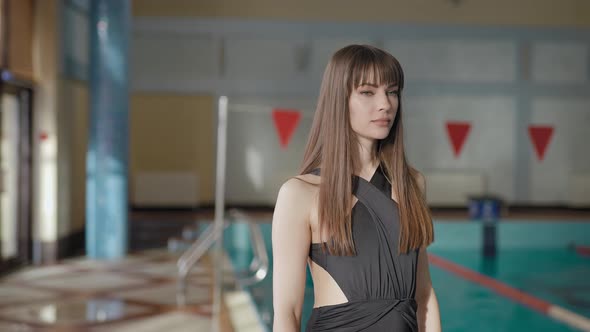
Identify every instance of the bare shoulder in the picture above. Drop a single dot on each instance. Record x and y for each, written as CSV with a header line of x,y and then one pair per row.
x,y
299,188
420,180
300,184
296,196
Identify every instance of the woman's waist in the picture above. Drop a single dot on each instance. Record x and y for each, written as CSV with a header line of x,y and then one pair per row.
x,y
409,301
365,315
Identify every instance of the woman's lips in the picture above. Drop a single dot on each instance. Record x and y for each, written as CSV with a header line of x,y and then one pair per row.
x,y
382,122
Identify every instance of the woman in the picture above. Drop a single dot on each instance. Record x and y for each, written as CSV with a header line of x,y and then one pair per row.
x,y
368,258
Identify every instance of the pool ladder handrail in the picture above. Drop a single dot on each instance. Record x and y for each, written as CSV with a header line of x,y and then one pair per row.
x,y
258,268
260,264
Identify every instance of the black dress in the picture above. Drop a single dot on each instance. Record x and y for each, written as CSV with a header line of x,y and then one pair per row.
x,y
379,284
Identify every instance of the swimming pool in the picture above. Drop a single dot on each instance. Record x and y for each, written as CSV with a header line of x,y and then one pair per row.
x,y
534,259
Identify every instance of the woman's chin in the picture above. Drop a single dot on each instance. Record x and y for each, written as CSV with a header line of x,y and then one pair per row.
x,y
380,135
375,135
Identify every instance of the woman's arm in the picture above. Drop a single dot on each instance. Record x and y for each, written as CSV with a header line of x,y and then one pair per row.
x,y
291,238
428,311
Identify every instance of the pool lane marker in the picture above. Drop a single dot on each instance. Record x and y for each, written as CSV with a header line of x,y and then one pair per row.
x,y
556,312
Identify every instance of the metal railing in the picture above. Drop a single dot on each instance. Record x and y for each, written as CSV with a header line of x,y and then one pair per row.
x,y
259,265
257,270
214,234
192,255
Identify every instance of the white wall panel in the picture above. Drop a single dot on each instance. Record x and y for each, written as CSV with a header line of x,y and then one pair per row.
x,y
323,49
173,58
560,62
456,75
566,153
256,163
258,58
456,60
488,147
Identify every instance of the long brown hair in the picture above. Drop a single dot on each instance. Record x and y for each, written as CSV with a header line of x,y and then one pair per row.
x,y
333,147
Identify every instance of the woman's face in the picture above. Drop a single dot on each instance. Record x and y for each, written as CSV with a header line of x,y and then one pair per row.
x,y
373,109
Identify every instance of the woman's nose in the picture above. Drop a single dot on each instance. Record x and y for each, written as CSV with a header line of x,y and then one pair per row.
x,y
384,102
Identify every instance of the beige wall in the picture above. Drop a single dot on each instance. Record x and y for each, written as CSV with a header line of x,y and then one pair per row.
x,y
48,206
173,133
20,35
74,96
485,12
168,133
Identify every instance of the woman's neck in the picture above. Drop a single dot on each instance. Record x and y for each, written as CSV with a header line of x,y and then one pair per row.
x,y
367,157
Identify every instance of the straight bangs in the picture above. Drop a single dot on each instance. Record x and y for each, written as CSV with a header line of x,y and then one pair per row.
x,y
376,67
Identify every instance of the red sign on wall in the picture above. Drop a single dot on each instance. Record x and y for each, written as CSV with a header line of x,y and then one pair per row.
x,y
540,137
286,121
458,132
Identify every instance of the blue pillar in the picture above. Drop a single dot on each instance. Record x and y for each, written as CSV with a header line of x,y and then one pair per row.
x,y
107,157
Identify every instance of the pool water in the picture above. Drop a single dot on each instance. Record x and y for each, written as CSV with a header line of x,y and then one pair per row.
x,y
554,273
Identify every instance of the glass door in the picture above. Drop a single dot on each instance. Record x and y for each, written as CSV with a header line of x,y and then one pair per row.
x,y
15,165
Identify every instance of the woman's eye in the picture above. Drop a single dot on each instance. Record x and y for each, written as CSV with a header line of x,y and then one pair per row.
x,y
367,93
393,93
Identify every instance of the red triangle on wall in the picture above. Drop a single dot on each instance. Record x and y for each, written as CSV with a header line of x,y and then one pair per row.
x,y
458,131
540,136
286,121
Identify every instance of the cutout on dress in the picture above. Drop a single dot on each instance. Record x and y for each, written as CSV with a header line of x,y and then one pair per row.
x,y
331,293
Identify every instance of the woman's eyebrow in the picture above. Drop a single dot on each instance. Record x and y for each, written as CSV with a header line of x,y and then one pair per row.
x,y
373,85
369,84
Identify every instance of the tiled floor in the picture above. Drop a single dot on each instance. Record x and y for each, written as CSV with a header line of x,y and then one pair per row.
x,y
137,293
